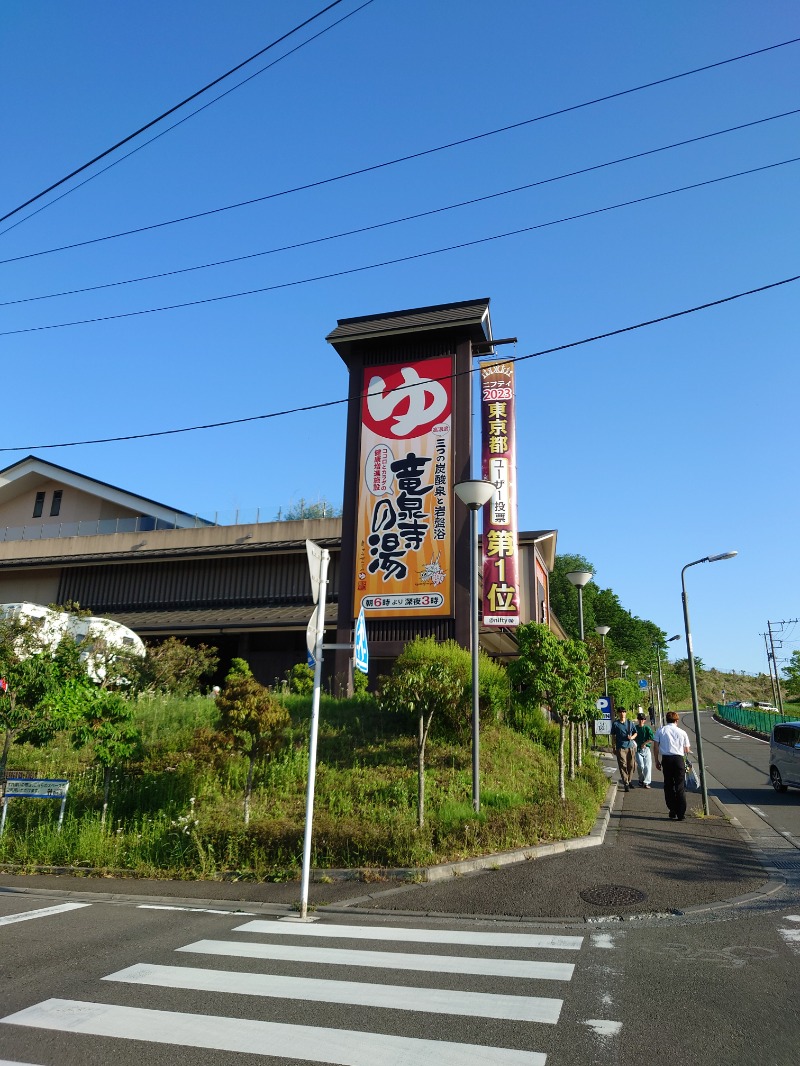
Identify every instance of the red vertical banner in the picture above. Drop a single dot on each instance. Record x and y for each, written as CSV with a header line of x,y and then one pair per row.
x,y
500,547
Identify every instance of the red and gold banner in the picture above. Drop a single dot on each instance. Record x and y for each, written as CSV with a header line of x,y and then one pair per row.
x,y
404,536
500,547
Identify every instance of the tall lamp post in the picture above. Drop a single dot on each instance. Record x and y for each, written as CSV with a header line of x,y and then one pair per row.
x,y
657,648
622,667
602,632
692,676
475,494
580,578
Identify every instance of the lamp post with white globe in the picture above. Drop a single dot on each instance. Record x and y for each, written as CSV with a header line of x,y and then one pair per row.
x,y
475,494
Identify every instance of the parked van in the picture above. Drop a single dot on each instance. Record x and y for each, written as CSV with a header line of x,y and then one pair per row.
x,y
784,756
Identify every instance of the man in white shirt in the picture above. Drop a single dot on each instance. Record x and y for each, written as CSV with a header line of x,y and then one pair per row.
x,y
671,746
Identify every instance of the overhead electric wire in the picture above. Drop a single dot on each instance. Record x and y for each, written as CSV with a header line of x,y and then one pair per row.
x,y
186,118
394,262
397,221
168,112
399,159
338,403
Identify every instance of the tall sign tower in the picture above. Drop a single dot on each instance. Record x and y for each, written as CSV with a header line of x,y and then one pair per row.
x,y
405,547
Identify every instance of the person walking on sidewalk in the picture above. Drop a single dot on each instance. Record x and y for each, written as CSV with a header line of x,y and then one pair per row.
x,y
644,753
671,744
623,738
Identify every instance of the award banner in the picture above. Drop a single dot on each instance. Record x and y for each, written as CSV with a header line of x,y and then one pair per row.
x,y
500,547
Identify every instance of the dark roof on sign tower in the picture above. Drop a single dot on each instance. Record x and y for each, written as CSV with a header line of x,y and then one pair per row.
x,y
468,320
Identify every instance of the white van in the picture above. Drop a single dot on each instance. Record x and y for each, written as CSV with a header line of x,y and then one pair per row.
x,y
784,756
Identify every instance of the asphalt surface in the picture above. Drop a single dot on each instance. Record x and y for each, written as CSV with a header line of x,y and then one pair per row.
x,y
645,865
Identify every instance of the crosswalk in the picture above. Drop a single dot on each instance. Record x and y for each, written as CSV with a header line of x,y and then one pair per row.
x,y
362,967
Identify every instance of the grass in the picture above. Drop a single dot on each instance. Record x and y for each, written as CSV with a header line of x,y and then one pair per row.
x,y
178,812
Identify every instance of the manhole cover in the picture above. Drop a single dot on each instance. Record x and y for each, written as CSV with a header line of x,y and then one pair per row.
x,y
612,895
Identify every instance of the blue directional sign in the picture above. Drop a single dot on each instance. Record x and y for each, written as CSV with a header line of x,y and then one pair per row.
x,y
642,682
362,648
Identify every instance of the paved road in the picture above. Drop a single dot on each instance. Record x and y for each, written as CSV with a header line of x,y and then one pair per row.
x,y
86,985
742,763
88,979
100,983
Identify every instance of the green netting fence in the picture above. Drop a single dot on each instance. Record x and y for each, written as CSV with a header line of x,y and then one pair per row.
x,y
750,717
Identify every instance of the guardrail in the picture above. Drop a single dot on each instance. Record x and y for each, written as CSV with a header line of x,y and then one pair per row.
x,y
750,717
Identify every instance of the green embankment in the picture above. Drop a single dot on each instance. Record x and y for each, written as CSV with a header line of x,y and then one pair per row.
x,y
178,811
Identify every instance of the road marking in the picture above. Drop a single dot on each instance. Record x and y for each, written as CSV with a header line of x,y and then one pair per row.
x,y
388,960
339,1046
758,811
602,1027
417,936
194,910
602,940
45,912
732,736
352,993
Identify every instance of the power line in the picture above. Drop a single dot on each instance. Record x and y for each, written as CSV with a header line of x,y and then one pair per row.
x,y
338,403
393,262
399,159
397,221
168,112
186,118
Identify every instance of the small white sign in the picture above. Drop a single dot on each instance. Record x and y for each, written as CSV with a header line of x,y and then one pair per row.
x,y
602,725
37,789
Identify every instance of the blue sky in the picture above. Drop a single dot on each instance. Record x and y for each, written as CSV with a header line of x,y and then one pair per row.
x,y
646,451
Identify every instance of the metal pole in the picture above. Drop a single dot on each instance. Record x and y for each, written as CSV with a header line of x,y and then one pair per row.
x,y
775,664
693,684
3,817
605,667
473,591
580,607
660,700
312,747
769,667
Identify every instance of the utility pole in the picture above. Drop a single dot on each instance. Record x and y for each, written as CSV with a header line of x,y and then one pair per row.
x,y
769,667
791,621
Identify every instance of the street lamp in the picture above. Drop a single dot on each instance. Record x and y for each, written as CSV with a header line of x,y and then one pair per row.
x,y
579,578
622,666
692,677
602,632
475,494
657,647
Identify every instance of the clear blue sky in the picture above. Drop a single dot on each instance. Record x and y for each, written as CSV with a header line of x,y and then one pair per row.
x,y
646,451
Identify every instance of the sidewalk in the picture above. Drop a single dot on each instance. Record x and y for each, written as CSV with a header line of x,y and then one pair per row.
x,y
638,862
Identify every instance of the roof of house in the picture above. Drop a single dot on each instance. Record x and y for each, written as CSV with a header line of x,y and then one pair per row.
x,y
28,473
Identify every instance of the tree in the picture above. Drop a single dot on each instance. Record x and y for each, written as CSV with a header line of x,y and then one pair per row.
x,y
105,720
251,720
175,667
791,674
306,509
33,679
422,682
552,673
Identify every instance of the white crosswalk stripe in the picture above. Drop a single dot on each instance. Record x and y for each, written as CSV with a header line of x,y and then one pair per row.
x,y
396,934
302,945
343,1047
388,960
390,997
